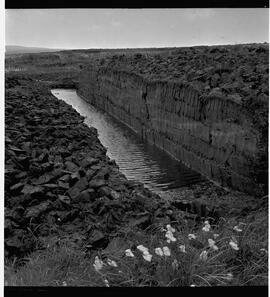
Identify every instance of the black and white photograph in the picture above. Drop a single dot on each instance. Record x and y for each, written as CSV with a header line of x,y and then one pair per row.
x,y
136,147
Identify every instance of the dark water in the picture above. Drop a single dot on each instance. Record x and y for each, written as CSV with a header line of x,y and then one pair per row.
x,y
136,159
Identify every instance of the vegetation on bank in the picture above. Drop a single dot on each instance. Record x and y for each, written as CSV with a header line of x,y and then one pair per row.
x,y
230,253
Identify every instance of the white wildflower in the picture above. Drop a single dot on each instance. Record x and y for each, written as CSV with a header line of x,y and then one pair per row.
x,y
229,276
204,255
212,244
237,229
106,283
64,283
192,285
145,252
166,251
142,248
182,248
206,227
129,253
159,252
169,236
191,236
234,245
112,263
170,228
147,257
215,235
98,264
175,264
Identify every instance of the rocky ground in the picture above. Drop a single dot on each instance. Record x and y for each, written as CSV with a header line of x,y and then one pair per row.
x,y
238,71
59,181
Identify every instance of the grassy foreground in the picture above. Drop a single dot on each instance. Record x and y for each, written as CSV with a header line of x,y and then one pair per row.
x,y
235,255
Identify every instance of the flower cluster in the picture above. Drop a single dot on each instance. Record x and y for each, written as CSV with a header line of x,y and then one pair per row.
x,y
191,236
182,248
237,229
215,235
206,227
146,255
112,263
129,253
212,244
169,234
175,264
98,264
165,251
233,243
203,255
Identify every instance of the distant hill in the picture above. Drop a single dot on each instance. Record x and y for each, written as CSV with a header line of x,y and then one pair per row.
x,y
16,49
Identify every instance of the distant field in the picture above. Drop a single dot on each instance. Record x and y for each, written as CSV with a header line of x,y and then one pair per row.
x,y
15,49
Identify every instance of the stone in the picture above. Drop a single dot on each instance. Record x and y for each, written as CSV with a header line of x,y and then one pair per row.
x,y
90,173
16,189
70,166
104,191
65,178
88,162
43,179
23,162
43,158
64,199
21,175
74,177
47,166
16,149
70,216
86,196
142,222
79,186
50,186
63,185
97,240
36,211
97,183
29,189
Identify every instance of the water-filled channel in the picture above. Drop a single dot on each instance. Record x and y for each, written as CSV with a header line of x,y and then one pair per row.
x,y
136,159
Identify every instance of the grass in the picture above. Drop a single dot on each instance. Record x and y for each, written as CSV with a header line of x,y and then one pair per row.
x,y
62,263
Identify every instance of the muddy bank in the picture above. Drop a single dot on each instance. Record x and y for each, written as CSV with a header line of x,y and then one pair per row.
x,y
206,106
59,181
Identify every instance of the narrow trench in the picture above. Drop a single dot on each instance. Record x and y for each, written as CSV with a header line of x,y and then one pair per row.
x,y
137,160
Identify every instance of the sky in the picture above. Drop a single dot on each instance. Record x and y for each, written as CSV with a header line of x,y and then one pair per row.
x,y
127,28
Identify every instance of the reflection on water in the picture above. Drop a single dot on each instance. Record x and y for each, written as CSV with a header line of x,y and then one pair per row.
x,y
137,160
